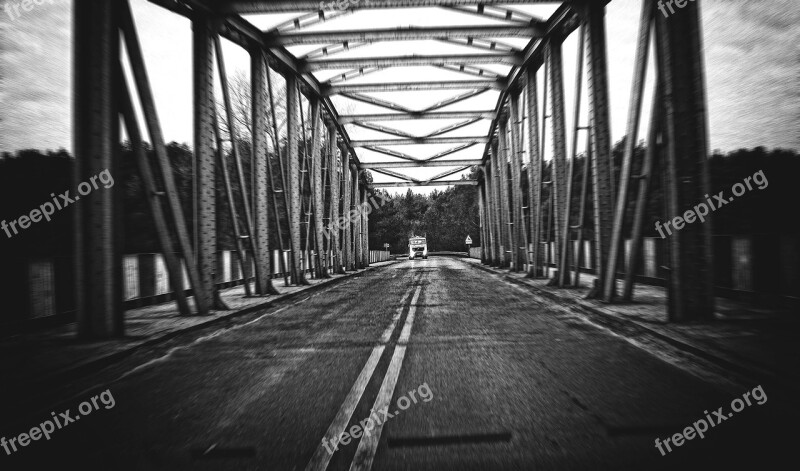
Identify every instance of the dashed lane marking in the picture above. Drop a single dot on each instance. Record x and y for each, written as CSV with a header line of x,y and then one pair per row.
x,y
321,458
367,447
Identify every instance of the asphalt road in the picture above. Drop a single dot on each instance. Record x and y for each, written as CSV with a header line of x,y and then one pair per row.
x,y
475,372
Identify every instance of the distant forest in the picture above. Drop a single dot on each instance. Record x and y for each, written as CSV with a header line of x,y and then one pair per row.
x,y
28,177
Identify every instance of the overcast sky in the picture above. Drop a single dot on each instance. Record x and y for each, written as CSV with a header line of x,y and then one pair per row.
x,y
752,52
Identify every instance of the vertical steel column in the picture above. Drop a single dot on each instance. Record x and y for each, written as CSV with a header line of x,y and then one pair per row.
x,y
505,197
205,154
632,135
534,172
147,101
558,122
258,77
498,205
492,257
335,211
520,237
679,47
602,163
356,217
98,261
563,262
651,154
366,209
482,220
347,181
317,189
292,123
487,181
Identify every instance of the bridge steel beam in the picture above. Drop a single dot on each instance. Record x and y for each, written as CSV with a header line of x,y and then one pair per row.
x,y
356,217
334,172
564,278
366,210
317,195
421,183
497,180
422,163
632,136
686,170
482,221
535,160
97,248
505,196
600,122
293,155
408,33
482,114
558,128
261,189
414,86
205,153
490,202
347,206
410,61
521,260
279,6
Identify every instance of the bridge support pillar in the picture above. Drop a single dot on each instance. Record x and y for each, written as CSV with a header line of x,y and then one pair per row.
x,y
686,167
261,189
97,245
602,164
347,206
558,174
357,219
500,220
520,233
295,207
205,156
534,173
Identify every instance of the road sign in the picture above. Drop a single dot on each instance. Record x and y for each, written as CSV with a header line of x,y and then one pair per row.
x,y
385,246
469,240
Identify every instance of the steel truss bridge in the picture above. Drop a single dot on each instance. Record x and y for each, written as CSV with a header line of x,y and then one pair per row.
x,y
514,178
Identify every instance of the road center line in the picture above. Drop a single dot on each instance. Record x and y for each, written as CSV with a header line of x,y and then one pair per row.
x,y
321,458
368,445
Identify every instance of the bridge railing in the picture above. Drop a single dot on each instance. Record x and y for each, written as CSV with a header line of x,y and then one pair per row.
x,y
757,268
48,299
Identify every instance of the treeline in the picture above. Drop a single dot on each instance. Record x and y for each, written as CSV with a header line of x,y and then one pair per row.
x,y
28,177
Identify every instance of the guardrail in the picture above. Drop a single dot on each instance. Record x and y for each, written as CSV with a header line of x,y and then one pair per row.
x,y
754,268
43,291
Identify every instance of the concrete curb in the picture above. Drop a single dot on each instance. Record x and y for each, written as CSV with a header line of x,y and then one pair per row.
x,y
101,361
626,327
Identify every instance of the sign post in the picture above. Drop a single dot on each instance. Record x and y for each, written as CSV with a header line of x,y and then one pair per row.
x,y
469,243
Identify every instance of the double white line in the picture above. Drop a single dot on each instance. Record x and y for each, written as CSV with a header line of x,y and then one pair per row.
x,y
369,442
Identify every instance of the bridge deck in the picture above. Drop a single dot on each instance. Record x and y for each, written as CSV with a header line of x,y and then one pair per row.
x,y
515,382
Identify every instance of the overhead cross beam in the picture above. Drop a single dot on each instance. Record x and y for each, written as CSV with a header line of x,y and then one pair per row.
x,y
497,13
286,6
411,61
482,114
415,86
418,140
433,183
408,33
422,164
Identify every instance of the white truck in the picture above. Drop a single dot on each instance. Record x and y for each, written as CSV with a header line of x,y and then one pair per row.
x,y
417,247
